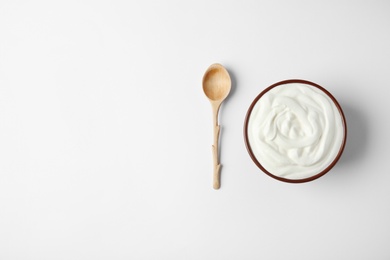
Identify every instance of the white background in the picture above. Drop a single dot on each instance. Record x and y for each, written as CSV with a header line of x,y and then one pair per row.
x,y
105,133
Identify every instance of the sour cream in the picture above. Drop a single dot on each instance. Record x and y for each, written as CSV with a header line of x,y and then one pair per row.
x,y
295,130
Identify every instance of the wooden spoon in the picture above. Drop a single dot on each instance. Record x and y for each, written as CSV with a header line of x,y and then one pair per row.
x,y
216,86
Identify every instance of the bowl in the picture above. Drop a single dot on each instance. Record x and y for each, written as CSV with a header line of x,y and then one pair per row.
x,y
295,131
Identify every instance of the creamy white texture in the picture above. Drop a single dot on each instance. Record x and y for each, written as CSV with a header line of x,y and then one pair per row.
x,y
295,131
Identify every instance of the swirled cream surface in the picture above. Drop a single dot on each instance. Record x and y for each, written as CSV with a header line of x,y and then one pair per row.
x,y
295,131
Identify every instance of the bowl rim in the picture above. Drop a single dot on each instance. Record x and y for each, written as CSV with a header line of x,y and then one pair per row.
x,y
254,159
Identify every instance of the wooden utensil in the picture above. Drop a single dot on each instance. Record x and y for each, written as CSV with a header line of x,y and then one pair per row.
x,y
216,86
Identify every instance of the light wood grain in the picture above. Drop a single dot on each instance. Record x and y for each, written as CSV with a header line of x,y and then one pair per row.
x,y
216,86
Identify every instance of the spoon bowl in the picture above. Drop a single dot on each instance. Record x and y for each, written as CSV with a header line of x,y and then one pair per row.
x,y
216,83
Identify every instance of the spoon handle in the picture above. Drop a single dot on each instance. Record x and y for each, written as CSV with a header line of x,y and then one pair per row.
x,y
215,147
217,166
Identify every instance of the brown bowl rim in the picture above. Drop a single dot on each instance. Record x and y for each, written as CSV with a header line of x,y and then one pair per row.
x,y
311,178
